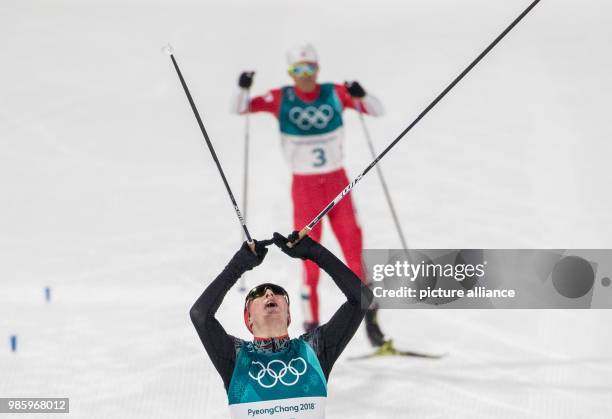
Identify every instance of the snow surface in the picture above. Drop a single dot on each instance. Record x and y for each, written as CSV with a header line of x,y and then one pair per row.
x,y
109,197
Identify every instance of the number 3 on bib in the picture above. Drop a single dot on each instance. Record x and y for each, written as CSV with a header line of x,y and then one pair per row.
x,y
320,159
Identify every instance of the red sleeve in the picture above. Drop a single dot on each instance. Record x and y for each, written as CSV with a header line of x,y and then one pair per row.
x,y
346,100
270,102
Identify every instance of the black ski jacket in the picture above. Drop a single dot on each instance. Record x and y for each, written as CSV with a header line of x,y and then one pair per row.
x,y
327,340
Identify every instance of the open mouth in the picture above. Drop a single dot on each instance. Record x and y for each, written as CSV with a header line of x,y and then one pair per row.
x,y
271,304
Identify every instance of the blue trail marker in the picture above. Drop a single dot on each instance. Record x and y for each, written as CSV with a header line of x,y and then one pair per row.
x,y
48,294
14,343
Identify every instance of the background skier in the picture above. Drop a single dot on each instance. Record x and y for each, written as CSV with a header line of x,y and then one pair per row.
x,y
312,137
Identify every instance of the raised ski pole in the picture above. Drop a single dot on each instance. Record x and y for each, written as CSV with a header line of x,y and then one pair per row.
x,y
366,134
304,231
245,177
170,51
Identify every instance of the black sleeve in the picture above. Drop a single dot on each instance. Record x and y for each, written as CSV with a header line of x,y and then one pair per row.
x,y
330,339
218,344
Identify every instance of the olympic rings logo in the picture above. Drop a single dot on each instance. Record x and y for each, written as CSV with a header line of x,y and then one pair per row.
x,y
286,374
310,116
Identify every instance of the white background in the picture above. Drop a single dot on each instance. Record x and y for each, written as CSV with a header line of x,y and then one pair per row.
x,y
109,197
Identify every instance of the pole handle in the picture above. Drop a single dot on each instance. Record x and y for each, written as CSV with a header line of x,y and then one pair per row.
x,y
251,245
303,233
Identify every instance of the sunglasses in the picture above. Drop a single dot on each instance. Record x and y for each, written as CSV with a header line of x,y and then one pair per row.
x,y
303,69
260,291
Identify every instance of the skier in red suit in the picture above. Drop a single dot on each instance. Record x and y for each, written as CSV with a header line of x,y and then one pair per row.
x,y
312,136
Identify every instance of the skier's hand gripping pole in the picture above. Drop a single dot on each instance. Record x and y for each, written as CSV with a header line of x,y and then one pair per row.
x,y
301,248
301,234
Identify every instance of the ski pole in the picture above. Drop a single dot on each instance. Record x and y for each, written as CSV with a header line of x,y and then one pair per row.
x,y
374,332
170,51
304,231
366,134
245,177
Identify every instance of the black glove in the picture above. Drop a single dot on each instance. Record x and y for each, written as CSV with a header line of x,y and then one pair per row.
x,y
355,89
245,259
304,249
246,79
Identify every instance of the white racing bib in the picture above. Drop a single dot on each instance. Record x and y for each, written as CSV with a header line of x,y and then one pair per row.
x,y
314,153
312,133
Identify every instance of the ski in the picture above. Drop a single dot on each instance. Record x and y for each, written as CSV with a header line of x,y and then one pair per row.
x,y
388,349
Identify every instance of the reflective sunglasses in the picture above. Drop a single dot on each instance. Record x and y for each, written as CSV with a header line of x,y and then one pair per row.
x,y
303,69
260,291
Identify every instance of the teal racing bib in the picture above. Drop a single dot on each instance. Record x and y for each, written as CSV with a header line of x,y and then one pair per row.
x,y
286,384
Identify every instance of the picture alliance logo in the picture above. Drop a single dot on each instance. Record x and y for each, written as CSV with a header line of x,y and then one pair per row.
x,y
311,116
276,371
412,271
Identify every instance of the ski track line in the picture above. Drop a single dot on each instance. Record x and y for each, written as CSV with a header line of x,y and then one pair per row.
x,y
545,354
68,107
179,234
546,362
144,262
444,380
142,374
443,383
559,360
432,397
572,391
521,382
508,341
490,400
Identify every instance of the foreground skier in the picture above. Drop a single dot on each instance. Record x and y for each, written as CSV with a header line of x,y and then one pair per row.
x,y
312,137
273,375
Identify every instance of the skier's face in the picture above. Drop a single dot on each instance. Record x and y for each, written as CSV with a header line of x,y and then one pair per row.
x,y
269,309
304,74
